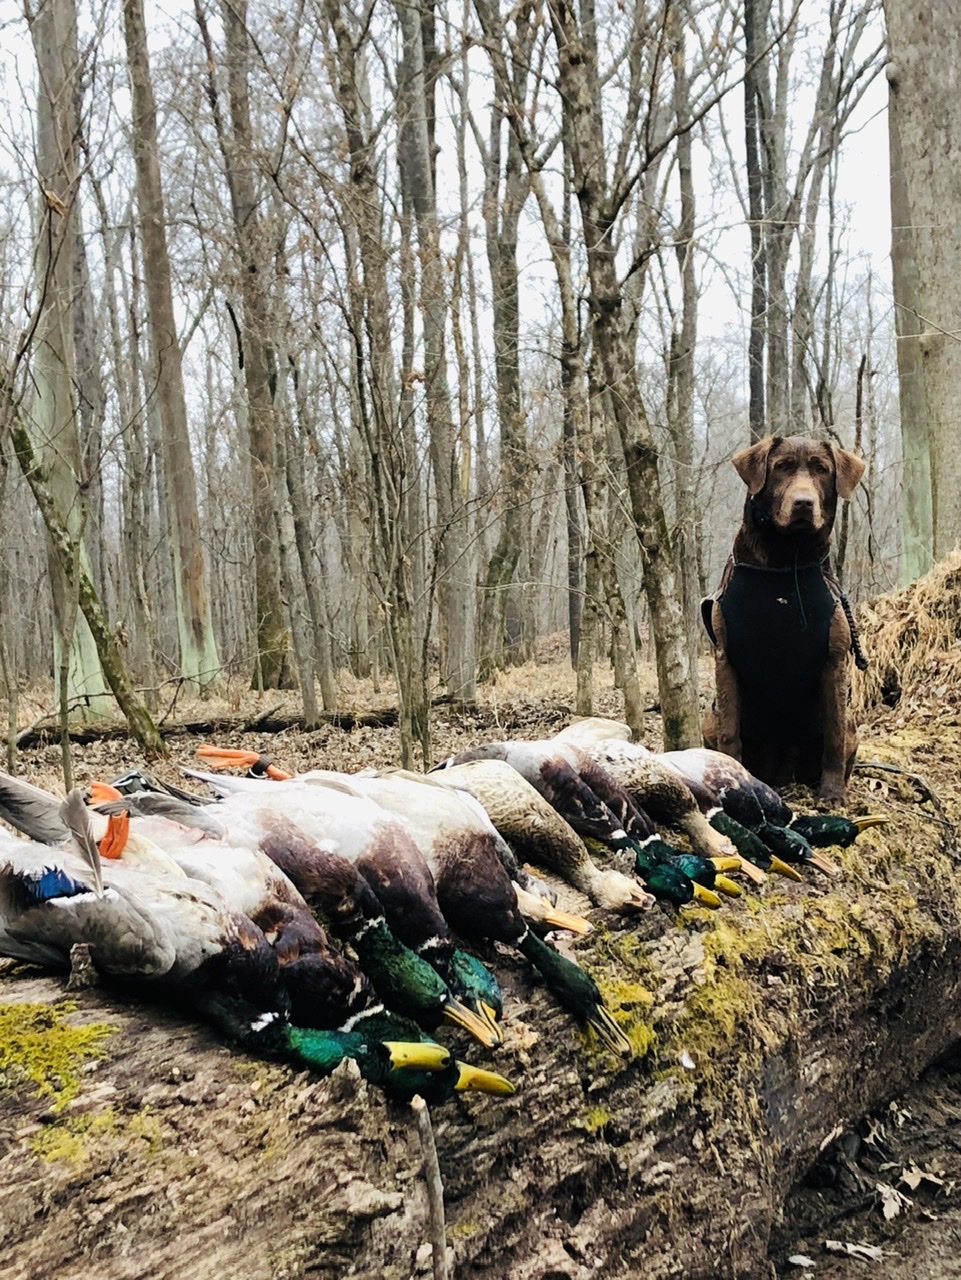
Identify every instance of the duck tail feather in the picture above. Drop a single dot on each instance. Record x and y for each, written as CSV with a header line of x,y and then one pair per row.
x,y
74,813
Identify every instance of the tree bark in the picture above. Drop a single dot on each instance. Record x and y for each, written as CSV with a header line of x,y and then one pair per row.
x,y
577,77
505,191
382,433
199,663
255,354
55,416
456,580
681,373
78,578
926,256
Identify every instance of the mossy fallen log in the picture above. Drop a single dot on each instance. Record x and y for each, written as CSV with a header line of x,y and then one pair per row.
x,y
760,1029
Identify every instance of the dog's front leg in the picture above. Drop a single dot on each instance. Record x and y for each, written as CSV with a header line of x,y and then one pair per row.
x,y
728,700
834,710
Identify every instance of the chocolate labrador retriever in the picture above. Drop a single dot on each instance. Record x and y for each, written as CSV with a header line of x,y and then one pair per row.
x,y
780,624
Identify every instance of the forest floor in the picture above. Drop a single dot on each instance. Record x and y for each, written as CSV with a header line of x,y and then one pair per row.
x,y
885,1195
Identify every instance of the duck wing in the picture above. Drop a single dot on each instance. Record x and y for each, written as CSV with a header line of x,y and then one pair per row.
x,y
31,810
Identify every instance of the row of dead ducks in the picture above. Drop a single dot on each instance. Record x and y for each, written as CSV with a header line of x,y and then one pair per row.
x,y
314,918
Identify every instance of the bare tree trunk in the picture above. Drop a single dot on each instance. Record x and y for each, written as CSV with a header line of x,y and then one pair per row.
x,y
778,227
505,191
199,663
681,367
587,649
53,29
754,24
578,83
926,256
313,589
125,372
301,623
381,433
456,588
255,355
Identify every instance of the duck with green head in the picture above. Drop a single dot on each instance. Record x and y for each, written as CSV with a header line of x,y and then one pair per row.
x,y
385,1055
335,889
478,898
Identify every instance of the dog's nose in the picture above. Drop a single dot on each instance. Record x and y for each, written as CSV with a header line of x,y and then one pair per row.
x,y
803,504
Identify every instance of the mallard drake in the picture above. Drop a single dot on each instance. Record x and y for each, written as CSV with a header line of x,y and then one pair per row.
x,y
553,770
716,778
652,785
585,795
175,937
473,887
299,825
401,1068
323,985
475,891
465,823
728,799
667,873
529,887
745,798
335,888
525,816
827,830
756,806
413,1062
535,830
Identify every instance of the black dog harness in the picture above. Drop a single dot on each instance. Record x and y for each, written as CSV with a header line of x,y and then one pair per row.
x,y
778,623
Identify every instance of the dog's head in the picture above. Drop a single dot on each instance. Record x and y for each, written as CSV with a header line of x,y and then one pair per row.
x,y
794,483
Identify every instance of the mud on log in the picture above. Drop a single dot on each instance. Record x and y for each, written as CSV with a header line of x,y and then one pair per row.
x,y
769,1024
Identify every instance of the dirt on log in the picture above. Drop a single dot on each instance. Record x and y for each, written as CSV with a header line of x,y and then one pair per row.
x,y
149,1149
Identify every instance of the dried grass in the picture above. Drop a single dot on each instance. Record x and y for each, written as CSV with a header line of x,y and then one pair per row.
x,y
913,640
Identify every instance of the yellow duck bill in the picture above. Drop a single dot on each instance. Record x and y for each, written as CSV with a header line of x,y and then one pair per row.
x,y
478,1080
482,1028
416,1053
785,869
603,1024
705,897
732,863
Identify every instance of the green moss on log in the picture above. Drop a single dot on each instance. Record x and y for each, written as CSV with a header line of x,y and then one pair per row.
x,y
41,1050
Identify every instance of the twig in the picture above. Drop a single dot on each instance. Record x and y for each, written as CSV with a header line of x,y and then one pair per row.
x,y
264,717
950,838
927,791
435,1188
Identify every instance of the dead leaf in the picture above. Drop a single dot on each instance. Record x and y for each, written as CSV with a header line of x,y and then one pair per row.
x,y
869,1252
892,1200
801,1260
912,1177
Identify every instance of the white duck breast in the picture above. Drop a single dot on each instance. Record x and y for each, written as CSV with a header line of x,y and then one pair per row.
x,y
296,822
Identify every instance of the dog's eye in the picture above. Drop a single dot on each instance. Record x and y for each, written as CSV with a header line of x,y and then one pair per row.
x,y
817,464
785,464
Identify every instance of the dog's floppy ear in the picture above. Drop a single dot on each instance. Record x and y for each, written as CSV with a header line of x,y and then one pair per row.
x,y
850,469
751,464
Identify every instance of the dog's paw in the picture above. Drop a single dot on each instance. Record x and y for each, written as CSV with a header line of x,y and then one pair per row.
x,y
831,792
